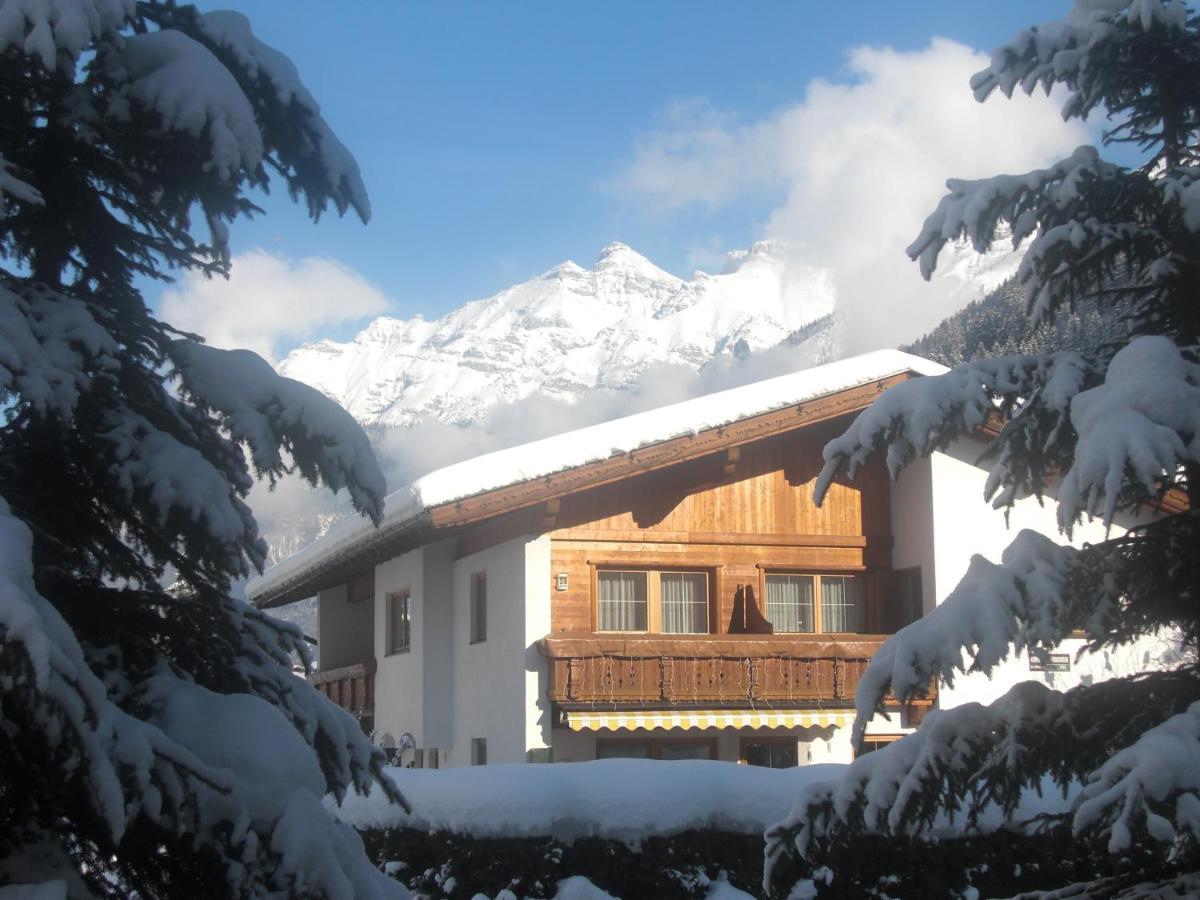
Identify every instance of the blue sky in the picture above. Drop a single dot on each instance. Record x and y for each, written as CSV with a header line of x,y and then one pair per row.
x,y
496,139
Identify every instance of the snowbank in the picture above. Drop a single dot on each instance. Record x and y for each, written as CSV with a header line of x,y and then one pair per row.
x,y
618,799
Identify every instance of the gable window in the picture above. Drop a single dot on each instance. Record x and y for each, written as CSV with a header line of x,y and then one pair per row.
x,y
652,601
478,607
829,604
399,623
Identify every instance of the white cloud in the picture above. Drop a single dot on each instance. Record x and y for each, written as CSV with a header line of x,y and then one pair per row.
x,y
269,300
857,166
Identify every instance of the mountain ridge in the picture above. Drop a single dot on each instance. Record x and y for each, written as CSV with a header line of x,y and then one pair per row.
x,y
562,334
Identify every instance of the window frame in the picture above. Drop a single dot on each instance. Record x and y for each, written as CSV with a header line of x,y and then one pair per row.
x,y
654,597
765,572
479,751
390,624
883,739
654,745
477,615
781,740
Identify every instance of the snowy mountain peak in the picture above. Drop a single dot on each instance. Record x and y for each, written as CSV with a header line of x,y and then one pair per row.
x,y
760,251
564,333
623,259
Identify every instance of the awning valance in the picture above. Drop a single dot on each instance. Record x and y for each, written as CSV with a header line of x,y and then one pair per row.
x,y
590,720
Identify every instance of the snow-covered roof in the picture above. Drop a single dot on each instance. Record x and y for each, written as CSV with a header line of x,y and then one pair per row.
x,y
573,449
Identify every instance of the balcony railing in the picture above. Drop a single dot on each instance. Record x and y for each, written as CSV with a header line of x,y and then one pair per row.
x,y
350,687
729,670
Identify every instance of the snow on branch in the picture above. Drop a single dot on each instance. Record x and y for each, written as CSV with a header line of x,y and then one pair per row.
x,y
45,28
13,186
921,415
186,764
180,486
1091,223
1058,51
994,611
974,766
231,31
1182,186
52,682
179,80
1146,786
906,786
1118,441
50,348
264,662
1136,428
268,412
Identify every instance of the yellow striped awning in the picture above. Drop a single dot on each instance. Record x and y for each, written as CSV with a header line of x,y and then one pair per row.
x,y
588,720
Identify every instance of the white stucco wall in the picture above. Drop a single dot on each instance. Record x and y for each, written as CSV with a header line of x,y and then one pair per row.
x,y
343,629
399,677
436,635
963,525
912,526
498,690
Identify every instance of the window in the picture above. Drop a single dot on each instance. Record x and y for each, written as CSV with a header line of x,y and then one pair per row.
x,y
656,748
622,603
479,608
793,604
479,751
902,600
684,598
652,601
769,752
399,622
790,602
874,742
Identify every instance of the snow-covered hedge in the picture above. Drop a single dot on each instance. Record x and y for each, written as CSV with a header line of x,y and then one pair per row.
x,y
685,829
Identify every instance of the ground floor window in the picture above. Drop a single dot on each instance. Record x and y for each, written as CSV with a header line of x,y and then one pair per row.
x,y
656,748
479,751
769,752
873,742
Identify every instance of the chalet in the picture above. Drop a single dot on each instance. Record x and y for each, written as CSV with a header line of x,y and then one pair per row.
x,y
660,585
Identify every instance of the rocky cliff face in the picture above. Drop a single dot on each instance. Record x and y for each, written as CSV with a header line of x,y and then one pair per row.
x,y
567,332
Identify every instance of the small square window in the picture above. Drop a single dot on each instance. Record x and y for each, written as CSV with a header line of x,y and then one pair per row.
x,y
478,607
479,751
399,622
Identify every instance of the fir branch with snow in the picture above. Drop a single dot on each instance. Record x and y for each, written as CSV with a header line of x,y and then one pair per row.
x,y
154,742
1107,431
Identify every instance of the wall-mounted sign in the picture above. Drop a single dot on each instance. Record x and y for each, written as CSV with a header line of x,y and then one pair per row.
x,y
1050,662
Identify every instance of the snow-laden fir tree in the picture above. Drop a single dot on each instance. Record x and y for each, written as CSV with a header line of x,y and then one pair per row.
x,y
1108,431
156,742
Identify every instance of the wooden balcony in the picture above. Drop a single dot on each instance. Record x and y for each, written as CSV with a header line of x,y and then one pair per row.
x,y
350,687
732,670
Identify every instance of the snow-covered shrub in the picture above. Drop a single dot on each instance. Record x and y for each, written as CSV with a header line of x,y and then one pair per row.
x,y
1107,430
156,742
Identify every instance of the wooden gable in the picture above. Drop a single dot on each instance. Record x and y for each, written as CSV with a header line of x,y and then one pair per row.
x,y
731,519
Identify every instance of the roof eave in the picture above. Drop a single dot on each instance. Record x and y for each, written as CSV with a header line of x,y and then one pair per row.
x,y
382,543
